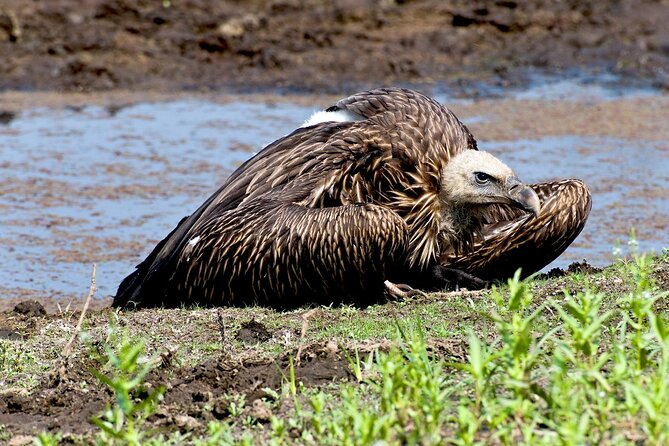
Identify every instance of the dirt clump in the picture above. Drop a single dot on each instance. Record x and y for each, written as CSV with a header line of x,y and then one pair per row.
x,y
309,45
30,308
252,332
22,321
582,267
68,397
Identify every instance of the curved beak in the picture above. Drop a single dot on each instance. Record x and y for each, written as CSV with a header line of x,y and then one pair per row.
x,y
523,196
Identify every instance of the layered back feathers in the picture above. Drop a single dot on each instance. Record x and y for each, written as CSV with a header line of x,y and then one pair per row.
x,y
392,157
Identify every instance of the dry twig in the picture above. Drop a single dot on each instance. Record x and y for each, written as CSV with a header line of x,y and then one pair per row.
x,y
305,325
68,348
221,327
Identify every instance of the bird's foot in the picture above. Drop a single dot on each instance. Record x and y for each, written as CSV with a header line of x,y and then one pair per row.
x,y
455,279
399,291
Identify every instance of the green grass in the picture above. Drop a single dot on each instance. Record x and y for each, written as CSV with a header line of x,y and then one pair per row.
x,y
583,367
575,384
18,364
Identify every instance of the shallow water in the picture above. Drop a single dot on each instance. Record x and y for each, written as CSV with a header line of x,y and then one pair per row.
x,y
84,186
103,185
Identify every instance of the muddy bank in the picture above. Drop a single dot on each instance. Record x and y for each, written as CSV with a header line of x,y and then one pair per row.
x,y
194,396
309,45
209,359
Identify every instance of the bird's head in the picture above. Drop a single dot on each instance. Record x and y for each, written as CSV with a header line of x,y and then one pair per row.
x,y
474,178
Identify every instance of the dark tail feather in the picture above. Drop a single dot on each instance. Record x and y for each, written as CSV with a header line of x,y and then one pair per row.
x,y
128,287
143,287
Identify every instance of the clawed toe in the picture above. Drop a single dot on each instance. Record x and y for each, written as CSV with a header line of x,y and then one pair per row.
x,y
401,291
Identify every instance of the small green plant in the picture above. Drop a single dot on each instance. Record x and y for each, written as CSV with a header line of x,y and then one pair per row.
x,y
520,352
291,385
14,359
218,434
649,338
358,367
47,439
121,423
236,404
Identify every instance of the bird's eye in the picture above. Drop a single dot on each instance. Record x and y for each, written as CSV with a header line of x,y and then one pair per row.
x,y
482,178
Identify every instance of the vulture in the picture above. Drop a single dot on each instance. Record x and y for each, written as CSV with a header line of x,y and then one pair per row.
x,y
382,193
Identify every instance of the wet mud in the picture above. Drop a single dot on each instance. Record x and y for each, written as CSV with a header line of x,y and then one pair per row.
x,y
310,45
202,394
69,395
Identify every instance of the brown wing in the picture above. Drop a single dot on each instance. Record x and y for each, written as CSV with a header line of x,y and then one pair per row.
x,y
272,168
514,239
392,158
427,129
285,255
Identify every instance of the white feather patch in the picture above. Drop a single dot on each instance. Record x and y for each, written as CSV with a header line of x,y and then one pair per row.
x,y
331,116
193,241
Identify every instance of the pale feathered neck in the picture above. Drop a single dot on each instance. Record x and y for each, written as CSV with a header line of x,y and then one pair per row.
x,y
461,226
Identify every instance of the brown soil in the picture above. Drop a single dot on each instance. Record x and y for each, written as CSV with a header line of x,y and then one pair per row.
x,y
68,395
314,45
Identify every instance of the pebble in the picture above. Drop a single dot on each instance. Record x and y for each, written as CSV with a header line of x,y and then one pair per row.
x,y
187,422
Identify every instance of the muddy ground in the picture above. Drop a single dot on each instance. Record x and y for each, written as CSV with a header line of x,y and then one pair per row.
x,y
312,45
209,358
